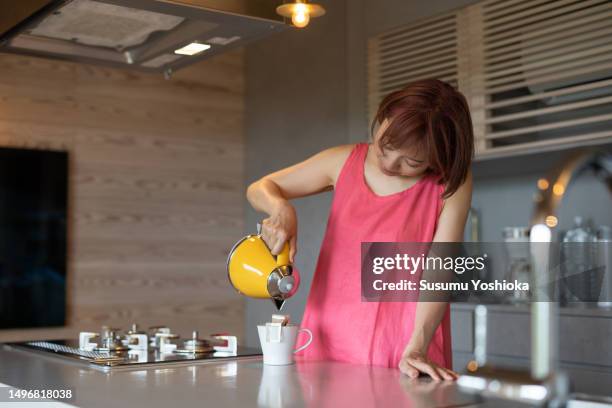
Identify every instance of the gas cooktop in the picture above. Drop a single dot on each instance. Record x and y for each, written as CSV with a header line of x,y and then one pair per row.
x,y
111,349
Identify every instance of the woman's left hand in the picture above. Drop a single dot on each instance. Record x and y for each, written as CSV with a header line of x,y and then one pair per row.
x,y
414,362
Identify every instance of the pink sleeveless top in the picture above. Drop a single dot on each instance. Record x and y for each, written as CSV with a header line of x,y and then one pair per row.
x,y
345,328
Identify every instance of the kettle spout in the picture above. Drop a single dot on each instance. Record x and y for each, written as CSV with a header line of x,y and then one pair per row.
x,y
278,303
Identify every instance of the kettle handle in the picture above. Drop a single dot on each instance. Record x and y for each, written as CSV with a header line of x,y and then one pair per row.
x,y
282,258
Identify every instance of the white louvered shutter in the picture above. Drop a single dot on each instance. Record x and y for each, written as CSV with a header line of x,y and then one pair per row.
x,y
537,74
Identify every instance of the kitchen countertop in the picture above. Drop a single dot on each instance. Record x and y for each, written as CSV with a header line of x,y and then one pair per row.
x,y
234,384
575,310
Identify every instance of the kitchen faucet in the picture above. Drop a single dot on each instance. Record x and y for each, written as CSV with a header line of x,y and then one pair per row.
x,y
544,384
553,188
547,201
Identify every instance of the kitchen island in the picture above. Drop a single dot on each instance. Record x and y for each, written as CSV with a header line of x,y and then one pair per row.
x,y
232,384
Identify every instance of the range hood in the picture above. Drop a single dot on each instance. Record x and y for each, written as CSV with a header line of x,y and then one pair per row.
x,y
146,35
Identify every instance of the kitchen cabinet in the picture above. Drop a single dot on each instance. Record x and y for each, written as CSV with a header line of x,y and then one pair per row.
x,y
585,342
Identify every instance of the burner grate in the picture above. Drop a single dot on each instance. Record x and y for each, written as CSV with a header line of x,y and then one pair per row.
x,y
60,348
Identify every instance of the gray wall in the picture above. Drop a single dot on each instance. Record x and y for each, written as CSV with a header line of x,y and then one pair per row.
x,y
306,90
296,106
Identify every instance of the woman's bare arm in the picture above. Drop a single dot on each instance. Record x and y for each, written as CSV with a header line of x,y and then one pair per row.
x,y
271,194
428,316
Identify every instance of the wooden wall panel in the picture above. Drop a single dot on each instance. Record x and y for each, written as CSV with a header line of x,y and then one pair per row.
x,y
156,182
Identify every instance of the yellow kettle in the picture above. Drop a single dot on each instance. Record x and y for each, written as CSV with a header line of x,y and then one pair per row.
x,y
255,272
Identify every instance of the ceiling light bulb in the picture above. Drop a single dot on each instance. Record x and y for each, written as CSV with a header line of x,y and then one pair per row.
x,y
300,12
300,19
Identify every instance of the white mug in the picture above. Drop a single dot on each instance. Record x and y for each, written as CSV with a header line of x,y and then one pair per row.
x,y
278,342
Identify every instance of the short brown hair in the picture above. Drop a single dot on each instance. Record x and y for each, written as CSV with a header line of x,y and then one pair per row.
x,y
437,116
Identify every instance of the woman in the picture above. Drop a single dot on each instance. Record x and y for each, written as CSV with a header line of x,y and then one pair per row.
x,y
412,183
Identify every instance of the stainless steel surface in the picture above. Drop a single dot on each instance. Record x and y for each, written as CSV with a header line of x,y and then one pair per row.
x,y
480,335
512,234
545,370
544,359
604,238
545,380
280,282
66,350
474,224
155,333
519,265
279,303
543,384
111,343
238,384
136,34
588,401
580,272
111,350
548,199
544,314
511,384
62,349
195,345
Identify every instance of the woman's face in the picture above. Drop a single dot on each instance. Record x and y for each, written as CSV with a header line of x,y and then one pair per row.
x,y
407,161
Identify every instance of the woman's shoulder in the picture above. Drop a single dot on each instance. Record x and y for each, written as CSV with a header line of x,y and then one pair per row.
x,y
342,152
338,155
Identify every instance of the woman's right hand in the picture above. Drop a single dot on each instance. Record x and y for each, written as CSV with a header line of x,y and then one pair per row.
x,y
280,227
271,193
